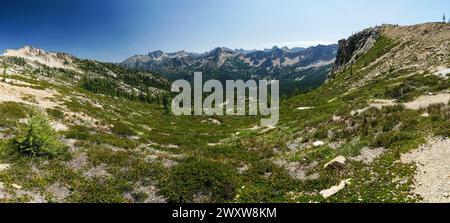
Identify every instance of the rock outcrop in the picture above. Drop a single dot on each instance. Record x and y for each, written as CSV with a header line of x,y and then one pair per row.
x,y
51,59
352,48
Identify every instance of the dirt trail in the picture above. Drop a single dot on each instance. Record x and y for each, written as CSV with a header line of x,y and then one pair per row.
x,y
427,100
432,179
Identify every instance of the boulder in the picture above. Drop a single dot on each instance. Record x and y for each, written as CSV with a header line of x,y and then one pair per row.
x,y
335,189
4,167
318,143
338,162
16,186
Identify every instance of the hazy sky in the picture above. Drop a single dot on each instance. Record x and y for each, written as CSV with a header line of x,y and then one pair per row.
x,y
112,30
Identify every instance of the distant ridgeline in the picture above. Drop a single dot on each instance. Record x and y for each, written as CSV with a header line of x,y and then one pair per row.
x,y
97,77
298,69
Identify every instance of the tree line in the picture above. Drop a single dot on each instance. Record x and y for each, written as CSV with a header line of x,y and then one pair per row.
x,y
111,87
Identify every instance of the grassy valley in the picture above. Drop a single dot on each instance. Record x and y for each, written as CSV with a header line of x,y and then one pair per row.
x,y
102,133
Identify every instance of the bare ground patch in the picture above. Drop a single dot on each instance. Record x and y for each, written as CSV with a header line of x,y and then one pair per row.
x,y
298,170
427,100
432,179
368,155
44,98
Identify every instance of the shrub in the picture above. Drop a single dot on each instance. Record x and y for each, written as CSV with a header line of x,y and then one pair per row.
x,y
321,133
212,180
37,138
440,119
391,139
139,196
389,123
77,132
121,129
55,113
399,92
12,110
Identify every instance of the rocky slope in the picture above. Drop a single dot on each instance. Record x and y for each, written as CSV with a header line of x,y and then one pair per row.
x,y
418,48
84,72
39,56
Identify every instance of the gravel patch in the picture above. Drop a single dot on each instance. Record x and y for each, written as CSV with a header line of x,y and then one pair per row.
x,y
432,179
58,192
97,172
44,98
297,170
79,162
151,193
4,167
427,100
368,155
35,197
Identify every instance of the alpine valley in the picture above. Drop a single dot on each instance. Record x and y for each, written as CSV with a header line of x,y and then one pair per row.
x,y
370,123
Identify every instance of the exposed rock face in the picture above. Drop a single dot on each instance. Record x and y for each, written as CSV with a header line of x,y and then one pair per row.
x,y
55,60
423,48
356,45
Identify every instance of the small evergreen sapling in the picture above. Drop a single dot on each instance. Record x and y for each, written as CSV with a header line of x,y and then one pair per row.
x,y
37,138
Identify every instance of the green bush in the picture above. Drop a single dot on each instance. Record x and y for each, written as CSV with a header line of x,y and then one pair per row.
x,y
213,180
37,138
391,139
77,132
139,196
55,113
121,129
12,110
389,123
399,92
321,133
440,119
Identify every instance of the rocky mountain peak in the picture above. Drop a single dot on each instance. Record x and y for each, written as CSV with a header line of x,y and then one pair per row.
x,y
50,59
157,55
222,50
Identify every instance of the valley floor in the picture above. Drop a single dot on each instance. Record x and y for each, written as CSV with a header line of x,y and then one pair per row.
x,y
376,132
124,151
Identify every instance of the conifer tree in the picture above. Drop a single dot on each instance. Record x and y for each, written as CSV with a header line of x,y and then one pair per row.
x,y
166,104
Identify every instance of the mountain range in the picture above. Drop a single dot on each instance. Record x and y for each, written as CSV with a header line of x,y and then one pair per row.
x,y
296,68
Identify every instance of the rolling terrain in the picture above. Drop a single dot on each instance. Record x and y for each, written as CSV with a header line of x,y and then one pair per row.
x,y
377,130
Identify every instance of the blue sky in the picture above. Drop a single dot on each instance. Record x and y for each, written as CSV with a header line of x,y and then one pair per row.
x,y
112,30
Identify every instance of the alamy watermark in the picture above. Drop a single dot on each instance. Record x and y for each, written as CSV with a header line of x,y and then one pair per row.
x,y
235,101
